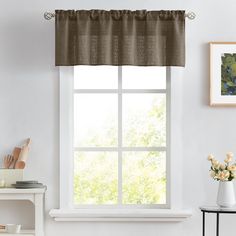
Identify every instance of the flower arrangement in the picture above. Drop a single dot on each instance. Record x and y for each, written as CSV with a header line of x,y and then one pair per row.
x,y
223,171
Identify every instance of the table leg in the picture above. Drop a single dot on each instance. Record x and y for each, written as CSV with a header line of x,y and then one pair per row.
x,y
39,214
203,223
217,224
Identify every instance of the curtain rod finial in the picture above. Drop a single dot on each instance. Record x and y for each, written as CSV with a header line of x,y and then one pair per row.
x,y
48,15
191,15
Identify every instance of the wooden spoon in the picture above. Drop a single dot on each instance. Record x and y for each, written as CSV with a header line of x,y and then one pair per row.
x,y
8,161
20,164
2,226
16,153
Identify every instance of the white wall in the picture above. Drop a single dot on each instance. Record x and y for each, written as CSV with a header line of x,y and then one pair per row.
x,y
29,107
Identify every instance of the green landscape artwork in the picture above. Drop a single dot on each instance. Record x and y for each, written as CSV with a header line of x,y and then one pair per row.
x,y
228,74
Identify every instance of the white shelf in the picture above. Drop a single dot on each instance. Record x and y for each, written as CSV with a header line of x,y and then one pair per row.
x,y
20,191
36,196
22,233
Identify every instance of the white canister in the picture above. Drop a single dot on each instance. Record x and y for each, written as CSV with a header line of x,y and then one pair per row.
x,y
10,176
2,183
13,228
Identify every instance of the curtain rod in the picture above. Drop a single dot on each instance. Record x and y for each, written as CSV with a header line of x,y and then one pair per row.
x,y
48,15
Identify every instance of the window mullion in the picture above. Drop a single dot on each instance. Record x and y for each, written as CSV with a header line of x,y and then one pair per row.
x,y
168,111
119,135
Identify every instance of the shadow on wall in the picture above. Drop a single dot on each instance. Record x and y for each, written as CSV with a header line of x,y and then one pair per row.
x,y
205,79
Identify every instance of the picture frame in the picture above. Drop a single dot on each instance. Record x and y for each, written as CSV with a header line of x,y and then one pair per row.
x,y
222,73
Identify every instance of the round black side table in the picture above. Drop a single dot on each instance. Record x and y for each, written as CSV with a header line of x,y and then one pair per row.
x,y
215,210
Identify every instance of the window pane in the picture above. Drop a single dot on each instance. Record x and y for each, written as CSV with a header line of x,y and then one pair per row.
x,y
144,120
144,178
95,77
95,178
144,77
95,120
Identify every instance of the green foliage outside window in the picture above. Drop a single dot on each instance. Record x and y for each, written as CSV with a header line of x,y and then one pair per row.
x,y
144,173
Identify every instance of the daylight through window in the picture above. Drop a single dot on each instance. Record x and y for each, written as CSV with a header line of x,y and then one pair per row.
x,y
120,135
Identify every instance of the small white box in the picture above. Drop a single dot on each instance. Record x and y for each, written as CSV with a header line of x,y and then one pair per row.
x,y
10,176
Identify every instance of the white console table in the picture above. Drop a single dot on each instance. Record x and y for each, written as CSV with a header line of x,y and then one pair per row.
x,y
36,196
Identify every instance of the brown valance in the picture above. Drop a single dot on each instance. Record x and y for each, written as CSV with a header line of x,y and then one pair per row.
x,y
120,37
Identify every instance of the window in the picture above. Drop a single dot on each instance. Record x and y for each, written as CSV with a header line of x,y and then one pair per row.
x,y
131,168
120,136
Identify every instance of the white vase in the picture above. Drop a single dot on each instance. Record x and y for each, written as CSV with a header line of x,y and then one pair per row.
x,y
226,195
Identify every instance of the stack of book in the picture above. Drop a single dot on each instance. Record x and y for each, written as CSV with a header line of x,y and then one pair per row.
x,y
28,184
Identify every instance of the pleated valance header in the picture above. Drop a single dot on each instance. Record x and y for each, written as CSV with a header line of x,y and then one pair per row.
x,y
120,37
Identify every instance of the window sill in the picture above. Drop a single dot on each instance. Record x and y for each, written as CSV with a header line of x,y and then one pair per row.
x,y
119,215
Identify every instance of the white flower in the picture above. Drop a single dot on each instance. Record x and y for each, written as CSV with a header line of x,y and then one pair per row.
x,y
221,176
222,166
229,154
222,171
229,157
232,168
216,164
210,157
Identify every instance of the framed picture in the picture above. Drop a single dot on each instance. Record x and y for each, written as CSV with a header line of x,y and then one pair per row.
x,y
223,73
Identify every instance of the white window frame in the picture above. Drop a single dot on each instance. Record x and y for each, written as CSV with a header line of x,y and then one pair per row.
x,y
175,212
